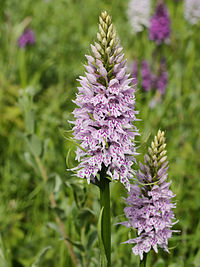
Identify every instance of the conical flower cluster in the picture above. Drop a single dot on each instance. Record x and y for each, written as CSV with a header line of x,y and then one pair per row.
x,y
103,125
150,207
159,30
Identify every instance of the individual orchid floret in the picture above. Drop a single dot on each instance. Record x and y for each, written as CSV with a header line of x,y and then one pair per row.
x,y
159,30
106,109
139,14
150,203
192,11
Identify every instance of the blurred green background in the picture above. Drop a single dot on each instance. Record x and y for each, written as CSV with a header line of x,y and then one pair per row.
x,y
45,211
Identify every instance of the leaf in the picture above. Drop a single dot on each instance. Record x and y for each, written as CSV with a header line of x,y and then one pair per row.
x,y
54,227
197,259
30,121
40,256
59,212
91,239
79,195
32,90
68,156
103,258
160,263
34,144
45,146
58,183
76,244
3,261
77,144
85,215
29,159
53,183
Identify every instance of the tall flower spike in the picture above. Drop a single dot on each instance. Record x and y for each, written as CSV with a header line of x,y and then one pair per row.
x,y
103,125
149,208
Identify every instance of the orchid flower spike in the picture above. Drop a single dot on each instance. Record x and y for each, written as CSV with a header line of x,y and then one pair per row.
x,y
150,203
106,109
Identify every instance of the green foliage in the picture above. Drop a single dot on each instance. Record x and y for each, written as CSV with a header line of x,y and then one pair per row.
x,y
37,85
103,258
39,257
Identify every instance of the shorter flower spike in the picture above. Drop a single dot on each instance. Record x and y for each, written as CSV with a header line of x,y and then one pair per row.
x,y
149,208
159,30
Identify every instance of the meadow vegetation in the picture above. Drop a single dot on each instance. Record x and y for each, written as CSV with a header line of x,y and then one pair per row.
x,y
48,216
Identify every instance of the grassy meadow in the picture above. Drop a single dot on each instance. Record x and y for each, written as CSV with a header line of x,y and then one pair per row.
x,y
48,217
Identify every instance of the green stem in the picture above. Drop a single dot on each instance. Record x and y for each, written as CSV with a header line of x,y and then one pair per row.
x,y
22,68
143,262
105,203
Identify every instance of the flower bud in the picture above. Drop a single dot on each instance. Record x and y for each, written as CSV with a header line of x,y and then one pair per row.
x,y
98,47
111,43
163,159
105,27
99,37
104,42
108,50
163,153
108,20
101,31
110,29
101,20
104,15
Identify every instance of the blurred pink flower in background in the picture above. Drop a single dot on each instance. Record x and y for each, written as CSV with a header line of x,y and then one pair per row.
x,y
27,37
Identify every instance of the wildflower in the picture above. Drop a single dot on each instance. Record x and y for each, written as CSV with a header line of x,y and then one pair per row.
x,y
162,78
103,125
149,208
139,14
192,11
160,24
27,37
146,76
